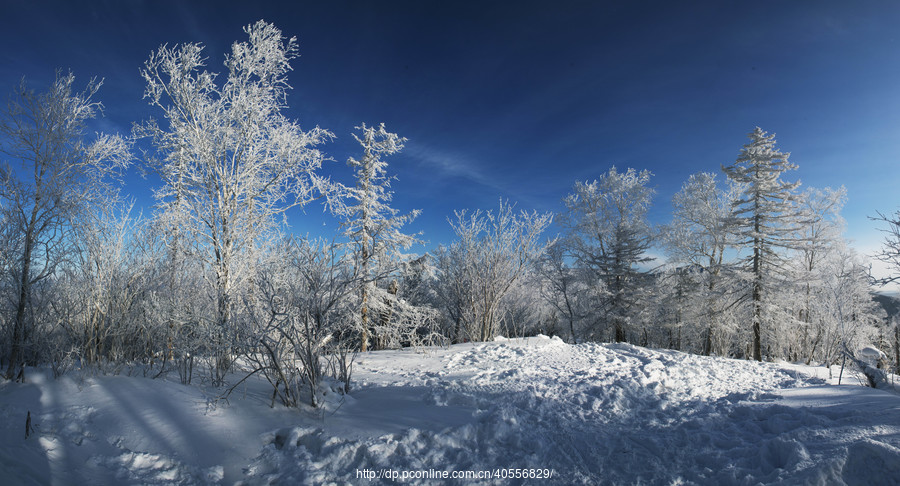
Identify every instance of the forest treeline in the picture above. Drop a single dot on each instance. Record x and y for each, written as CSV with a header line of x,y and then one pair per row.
x,y
212,281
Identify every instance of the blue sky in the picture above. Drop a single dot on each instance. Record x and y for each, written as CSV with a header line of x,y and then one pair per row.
x,y
518,100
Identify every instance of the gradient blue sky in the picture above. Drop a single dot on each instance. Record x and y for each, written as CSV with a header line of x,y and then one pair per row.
x,y
520,99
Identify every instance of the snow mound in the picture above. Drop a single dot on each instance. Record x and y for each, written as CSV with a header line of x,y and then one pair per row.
x,y
871,462
593,414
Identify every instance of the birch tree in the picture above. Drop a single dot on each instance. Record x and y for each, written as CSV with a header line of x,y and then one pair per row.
x,y
817,240
697,239
231,162
62,172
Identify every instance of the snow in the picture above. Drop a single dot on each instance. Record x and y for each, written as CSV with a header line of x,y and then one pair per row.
x,y
872,353
590,413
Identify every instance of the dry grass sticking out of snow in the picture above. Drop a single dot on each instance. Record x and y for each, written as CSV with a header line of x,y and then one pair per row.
x,y
592,413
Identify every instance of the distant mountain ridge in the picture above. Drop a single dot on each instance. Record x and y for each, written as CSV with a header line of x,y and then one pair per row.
x,y
889,302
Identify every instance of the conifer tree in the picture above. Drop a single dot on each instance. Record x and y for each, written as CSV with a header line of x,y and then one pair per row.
x,y
764,218
371,223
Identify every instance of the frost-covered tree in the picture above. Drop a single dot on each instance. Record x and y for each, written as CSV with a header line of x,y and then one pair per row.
x,y
231,162
566,289
454,294
846,313
418,281
890,247
696,241
765,220
890,255
609,235
176,303
374,227
107,281
491,253
817,239
526,312
62,173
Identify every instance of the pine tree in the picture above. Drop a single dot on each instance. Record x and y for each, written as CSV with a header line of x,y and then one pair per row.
x,y
764,218
371,223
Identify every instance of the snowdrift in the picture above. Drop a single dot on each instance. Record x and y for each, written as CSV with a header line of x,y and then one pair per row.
x,y
508,411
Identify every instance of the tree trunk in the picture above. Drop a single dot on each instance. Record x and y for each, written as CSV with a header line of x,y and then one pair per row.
x,y
897,349
757,287
221,332
16,367
707,343
619,330
364,273
17,354
364,311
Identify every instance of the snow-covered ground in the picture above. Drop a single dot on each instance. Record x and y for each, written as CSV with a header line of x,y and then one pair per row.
x,y
591,413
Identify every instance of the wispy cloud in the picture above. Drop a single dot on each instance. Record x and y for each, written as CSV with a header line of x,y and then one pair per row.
x,y
452,165
524,187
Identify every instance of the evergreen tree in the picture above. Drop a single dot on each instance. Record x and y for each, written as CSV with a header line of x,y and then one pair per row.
x,y
765,219
372,224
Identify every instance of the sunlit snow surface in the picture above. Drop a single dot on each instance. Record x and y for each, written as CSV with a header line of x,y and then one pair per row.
x,y
592,413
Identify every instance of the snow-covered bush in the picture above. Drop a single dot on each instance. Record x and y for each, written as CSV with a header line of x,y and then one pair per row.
x,y
493,250
300,310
